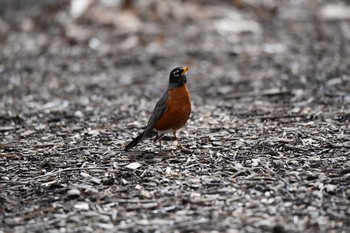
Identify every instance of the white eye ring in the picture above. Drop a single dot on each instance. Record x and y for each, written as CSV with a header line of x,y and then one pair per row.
x,y
176,73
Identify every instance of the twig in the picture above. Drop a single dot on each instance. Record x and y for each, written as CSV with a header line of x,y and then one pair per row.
x,y
276,117
255,94
53,173
80,148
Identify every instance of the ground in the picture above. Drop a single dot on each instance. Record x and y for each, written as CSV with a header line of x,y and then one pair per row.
x,y
269,131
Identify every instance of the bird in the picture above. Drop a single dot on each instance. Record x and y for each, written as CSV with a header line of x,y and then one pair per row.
x,y
171,112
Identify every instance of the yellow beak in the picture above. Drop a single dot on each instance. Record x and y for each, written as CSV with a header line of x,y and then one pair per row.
x,y
187,68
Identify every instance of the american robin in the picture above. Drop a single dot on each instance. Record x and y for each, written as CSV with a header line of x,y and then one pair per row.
x,y
171,111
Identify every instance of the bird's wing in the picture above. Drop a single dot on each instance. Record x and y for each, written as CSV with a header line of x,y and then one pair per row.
x,y
158,112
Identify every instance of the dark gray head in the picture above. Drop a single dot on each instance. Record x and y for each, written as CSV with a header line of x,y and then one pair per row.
x,y
177,76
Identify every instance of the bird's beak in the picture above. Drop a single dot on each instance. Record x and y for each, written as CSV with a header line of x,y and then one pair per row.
x,y
187,68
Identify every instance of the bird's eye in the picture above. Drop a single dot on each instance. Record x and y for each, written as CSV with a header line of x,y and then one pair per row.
x,y
176,73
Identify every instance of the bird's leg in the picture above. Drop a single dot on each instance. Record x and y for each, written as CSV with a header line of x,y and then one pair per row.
x,y
160,145
180,146
156,138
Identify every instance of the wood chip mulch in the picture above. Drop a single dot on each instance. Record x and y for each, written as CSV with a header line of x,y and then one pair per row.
x,y
269,134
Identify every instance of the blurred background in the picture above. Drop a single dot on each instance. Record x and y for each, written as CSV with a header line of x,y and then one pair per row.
x,y
81,54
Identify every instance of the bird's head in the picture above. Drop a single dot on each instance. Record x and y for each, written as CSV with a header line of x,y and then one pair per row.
x,y
177,76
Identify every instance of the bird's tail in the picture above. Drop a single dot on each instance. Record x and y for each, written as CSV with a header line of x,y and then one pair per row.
x,y
145,134
134,142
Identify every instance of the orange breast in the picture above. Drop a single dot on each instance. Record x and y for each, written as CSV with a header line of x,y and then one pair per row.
x,y
178,110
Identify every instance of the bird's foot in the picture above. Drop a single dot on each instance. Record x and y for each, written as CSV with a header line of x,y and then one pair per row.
x,y
183,149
